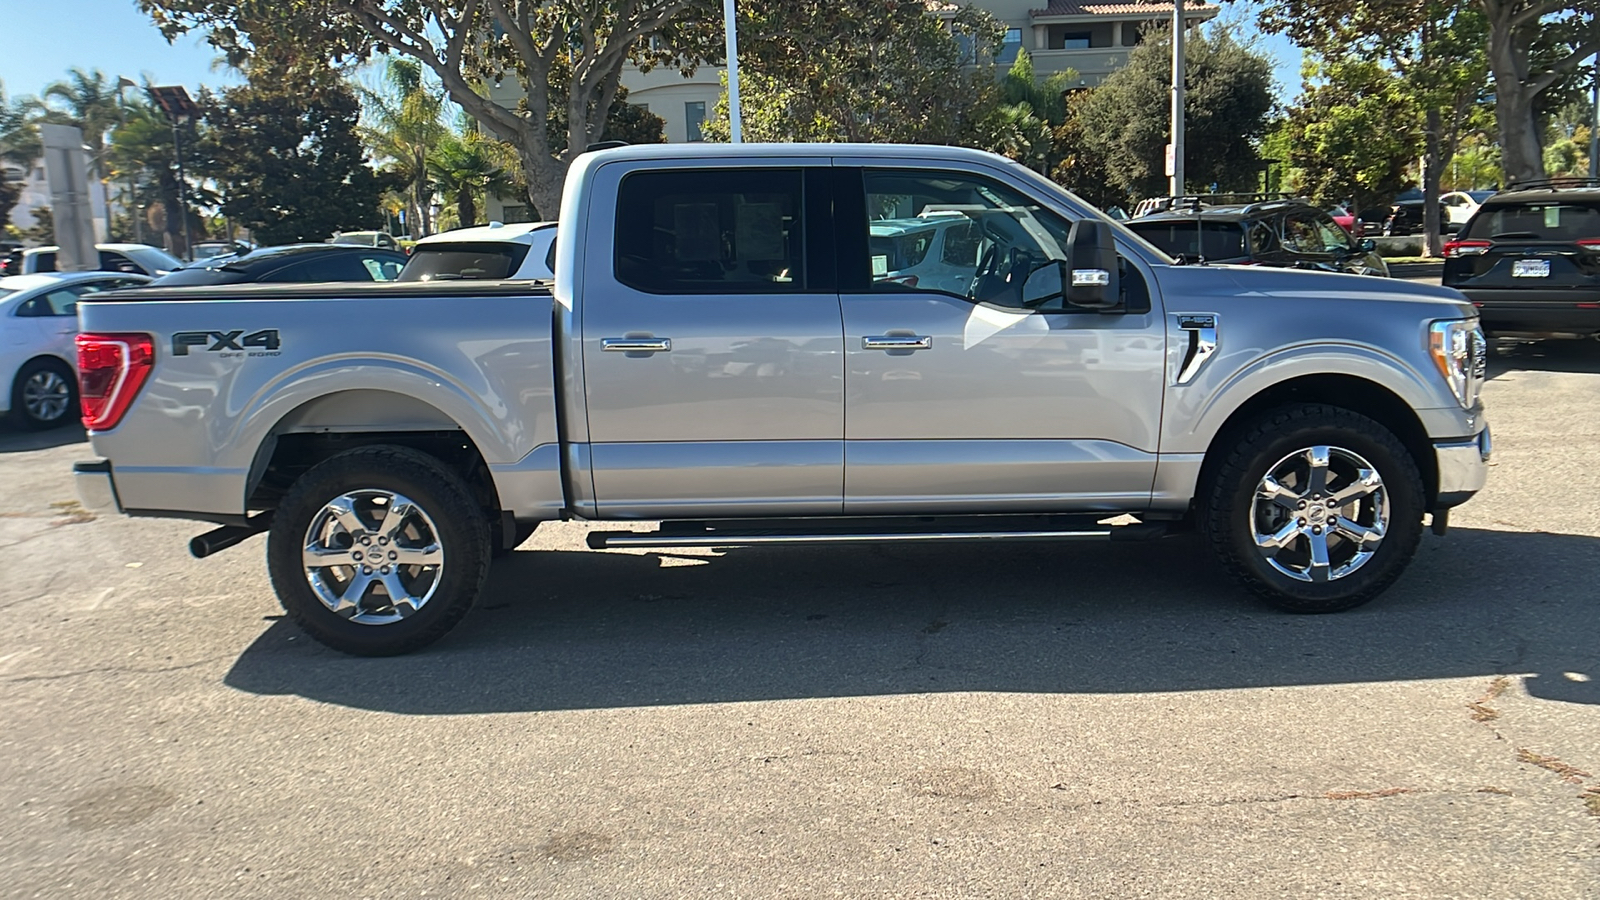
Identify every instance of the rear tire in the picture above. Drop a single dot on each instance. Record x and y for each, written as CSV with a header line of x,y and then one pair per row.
x,y
44,395
378,551
1267,510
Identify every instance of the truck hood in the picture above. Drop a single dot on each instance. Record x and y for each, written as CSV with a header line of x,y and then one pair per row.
x,y
1242,284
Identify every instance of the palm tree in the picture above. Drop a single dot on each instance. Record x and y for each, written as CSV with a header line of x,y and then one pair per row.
x,y
406,123
19,146
468,168
89,101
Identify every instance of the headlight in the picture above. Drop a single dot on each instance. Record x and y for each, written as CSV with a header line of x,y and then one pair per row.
x,y
1462,355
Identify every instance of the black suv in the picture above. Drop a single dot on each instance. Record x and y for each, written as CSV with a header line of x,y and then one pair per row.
x,y
1529,258
1290,234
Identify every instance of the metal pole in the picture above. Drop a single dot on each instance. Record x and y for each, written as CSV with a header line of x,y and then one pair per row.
x,y
1594,124
1175,149
183,192
730,29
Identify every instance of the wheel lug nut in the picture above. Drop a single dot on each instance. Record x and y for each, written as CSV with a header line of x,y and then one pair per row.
x,y
384,570
393,555
1302,521
366,570
383,541
1316,529
356,554
1302,504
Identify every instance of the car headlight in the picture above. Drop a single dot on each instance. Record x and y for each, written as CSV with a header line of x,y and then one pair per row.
x,y
1461,354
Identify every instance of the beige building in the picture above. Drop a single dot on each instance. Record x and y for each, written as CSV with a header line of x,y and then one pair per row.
x,y
1092,39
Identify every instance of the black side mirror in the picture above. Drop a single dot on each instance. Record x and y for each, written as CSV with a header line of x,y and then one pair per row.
x,y
1092,262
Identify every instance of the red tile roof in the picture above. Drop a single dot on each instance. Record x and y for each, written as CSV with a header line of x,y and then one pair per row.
x,y
1075,8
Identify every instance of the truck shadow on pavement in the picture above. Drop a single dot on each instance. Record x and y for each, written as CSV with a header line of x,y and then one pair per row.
x,y
1554,355
581,630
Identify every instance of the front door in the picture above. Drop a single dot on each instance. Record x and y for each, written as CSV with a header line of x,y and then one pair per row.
x,y
712,345
963,391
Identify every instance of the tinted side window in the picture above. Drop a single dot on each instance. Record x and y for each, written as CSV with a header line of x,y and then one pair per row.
x,y
60,302
340,267
464,261
45,262
1216,240
711,231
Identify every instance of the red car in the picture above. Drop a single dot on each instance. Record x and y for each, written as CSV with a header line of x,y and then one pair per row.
x,y
1345,216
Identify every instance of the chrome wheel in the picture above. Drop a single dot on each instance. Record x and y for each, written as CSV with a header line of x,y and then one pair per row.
x,y
46,396
373,557
1320,514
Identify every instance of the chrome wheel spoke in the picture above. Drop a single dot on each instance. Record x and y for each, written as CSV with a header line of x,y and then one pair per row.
x,y
348,603
1319,555
1367,481
1317,477
430,555
1279,539
318,557
394,517
1355,531
1271,490
343,511
404,602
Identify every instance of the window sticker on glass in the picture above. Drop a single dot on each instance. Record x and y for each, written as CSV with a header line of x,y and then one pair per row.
x,y
758,232
880,266
699,238
1552,216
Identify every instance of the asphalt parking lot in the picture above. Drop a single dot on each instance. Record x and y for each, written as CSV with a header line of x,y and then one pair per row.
x,y
1086,720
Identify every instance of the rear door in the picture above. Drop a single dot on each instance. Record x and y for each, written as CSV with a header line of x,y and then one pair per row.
x,y
711,342
983,399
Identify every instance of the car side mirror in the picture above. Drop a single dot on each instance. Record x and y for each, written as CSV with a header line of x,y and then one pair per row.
x,y
1367,245
1091,279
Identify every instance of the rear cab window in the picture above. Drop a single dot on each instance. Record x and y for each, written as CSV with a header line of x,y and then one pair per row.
x,y
464,261
711,231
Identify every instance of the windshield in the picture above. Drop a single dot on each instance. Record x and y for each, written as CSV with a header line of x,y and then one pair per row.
x,y
1213,240
464,261
1536,222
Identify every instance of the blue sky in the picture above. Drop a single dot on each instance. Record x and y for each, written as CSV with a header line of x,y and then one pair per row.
x,y
41,39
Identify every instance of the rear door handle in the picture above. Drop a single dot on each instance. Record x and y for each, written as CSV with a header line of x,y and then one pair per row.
x,y
636,345
897,342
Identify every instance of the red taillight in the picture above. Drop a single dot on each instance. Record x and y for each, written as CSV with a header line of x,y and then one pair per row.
x,y
1458,249
111,370
1589,243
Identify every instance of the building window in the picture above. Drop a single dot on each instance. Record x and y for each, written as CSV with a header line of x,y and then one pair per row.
x,y
1074,40
694,114
1009,48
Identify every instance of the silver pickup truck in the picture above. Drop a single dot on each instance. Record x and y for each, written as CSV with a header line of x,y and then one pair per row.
x,y
790,344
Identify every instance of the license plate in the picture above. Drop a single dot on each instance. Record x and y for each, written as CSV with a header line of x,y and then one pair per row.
x,y
1530,268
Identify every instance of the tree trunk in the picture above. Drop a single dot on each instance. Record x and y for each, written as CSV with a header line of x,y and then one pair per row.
x,y
1431,226
1521,156
466,210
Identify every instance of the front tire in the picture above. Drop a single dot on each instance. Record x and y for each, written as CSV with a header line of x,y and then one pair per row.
x,y
378,551
44,395
1315,508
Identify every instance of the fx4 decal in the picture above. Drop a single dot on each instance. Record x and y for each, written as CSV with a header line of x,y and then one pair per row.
x,y
228,343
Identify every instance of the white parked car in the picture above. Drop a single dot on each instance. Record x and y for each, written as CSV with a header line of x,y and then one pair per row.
x,y
137,259
1458,206
38,362
522,252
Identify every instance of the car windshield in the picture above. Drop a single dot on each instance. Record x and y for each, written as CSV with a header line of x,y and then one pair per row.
x,y
1537,222
464,261
1213,240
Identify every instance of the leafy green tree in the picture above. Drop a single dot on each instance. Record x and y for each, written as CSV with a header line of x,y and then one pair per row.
x,y
1434,47
1228,97
284,150
893,70
469,43
1353,135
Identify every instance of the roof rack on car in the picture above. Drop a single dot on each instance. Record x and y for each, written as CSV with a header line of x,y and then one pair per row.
x,y
1193,202
1560,181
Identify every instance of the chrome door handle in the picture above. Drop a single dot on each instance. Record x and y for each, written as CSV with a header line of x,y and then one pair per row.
x,y
897,342
636,345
